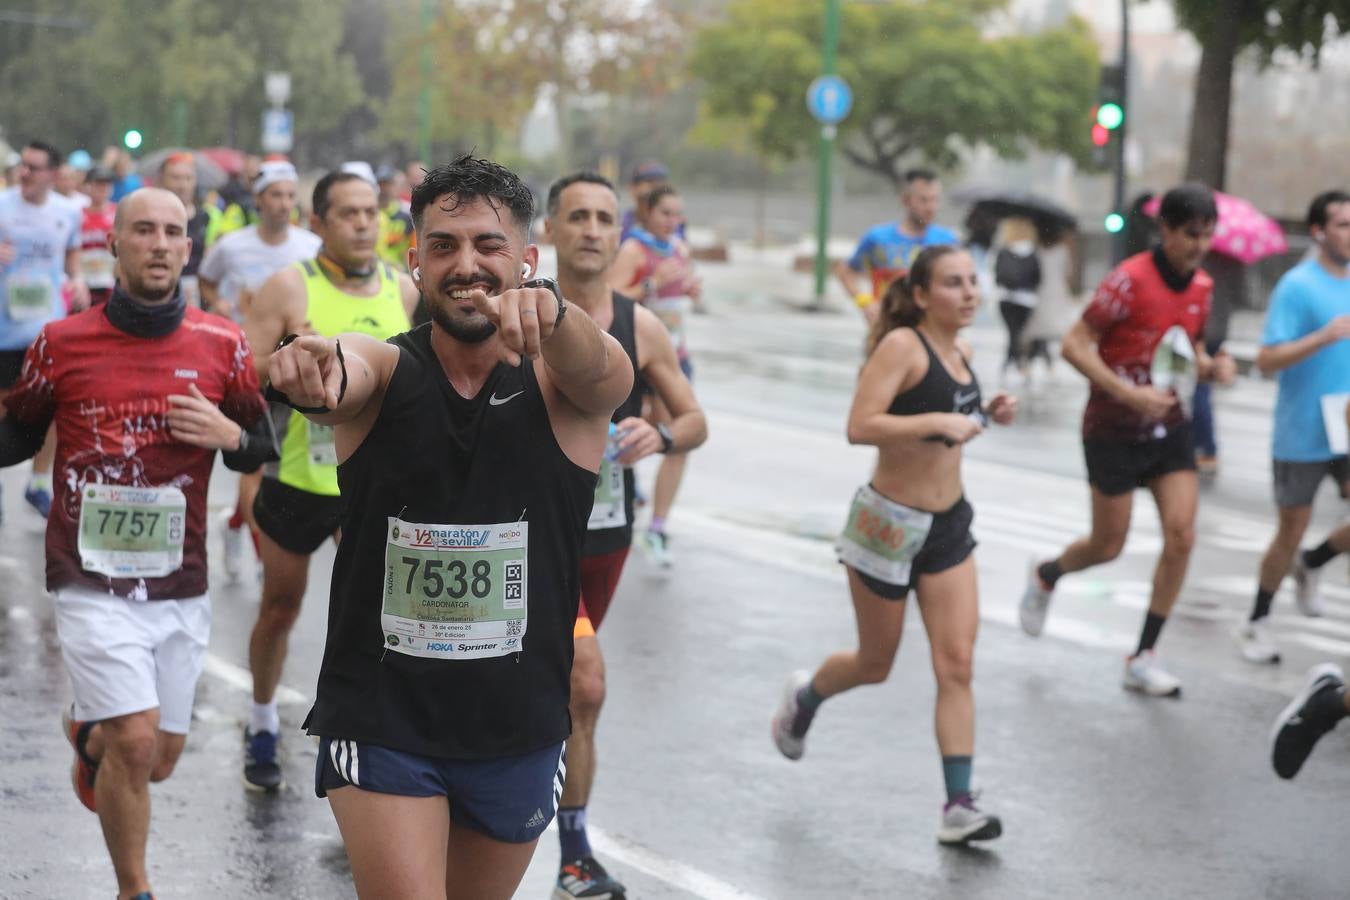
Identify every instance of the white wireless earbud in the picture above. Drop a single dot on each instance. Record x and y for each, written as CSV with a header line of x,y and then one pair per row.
x,y
417,273
525,271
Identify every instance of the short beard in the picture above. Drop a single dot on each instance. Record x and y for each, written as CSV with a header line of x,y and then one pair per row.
x,y
138,291
461,330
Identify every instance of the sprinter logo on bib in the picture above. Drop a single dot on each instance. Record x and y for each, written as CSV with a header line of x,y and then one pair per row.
x,y
455,591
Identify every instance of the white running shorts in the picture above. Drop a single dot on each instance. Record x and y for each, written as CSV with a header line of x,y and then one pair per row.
x,y
127,656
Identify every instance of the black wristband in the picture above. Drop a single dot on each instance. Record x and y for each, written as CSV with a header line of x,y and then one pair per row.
x,y
272,394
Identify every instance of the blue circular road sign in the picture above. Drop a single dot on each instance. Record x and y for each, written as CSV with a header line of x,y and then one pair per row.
x,y
829,98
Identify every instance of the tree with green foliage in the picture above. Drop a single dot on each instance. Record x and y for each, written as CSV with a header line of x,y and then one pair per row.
x,y
180,71
1225,28
491,59
926,79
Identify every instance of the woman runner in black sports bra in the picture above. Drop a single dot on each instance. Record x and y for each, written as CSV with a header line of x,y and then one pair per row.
x,y
917,402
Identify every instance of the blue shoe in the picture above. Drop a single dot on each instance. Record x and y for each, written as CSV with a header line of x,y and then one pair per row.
x,y
40,499
261,770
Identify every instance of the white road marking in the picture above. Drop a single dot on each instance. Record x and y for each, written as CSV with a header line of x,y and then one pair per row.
x,y
670,871
241,679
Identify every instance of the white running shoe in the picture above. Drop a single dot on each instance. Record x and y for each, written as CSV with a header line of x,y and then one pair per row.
x,y
963,822
1306,587
1253,640
656,546
1143,673
232,539
1035,602
789,744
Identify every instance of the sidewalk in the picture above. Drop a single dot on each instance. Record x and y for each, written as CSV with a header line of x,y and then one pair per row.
x,y
764,277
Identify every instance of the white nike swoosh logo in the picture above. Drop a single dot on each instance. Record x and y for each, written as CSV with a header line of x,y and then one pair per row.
x,y
963,399
494,400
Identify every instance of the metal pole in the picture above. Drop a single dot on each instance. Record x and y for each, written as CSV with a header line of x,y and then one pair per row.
x,y
826,155
424,97
1118,239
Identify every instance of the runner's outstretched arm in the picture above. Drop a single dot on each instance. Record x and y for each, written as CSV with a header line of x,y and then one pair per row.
x,y
309,373
586,365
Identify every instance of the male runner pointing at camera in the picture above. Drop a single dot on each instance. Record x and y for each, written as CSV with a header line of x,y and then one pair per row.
x,y
468,451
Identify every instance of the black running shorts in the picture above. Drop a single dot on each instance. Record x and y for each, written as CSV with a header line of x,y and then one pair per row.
x,y
296,520
1118,467
948,544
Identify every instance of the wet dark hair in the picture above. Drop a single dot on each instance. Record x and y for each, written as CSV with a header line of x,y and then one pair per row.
x,y
467,179
583,177
658,194
913,175
319,200
1186,203
1320,208
54,157
898,309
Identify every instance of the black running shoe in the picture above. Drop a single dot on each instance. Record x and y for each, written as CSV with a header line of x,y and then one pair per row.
x,y
1300,725
261,770
585,877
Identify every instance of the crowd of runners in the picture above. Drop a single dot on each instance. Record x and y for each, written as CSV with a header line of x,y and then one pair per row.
x,y
391,370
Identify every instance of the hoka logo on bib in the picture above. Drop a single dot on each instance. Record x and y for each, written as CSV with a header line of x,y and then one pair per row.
x,y
451,537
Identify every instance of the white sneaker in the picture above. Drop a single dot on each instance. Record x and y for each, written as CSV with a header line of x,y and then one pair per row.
x,y
656,546
1143,673
232,539
1253,640
789,744
963,821
1035,602
1306,587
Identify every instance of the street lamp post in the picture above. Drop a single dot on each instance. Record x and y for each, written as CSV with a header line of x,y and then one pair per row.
x,y
424,97
1118,204
826,155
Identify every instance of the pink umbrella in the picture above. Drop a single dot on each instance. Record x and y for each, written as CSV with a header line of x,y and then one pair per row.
x,y
1242,232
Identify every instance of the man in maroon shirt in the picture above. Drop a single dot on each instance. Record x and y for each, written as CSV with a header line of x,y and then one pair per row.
x,y
143,390
1136,432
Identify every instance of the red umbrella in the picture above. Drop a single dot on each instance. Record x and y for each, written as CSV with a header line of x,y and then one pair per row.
x,y
228,158
1242,232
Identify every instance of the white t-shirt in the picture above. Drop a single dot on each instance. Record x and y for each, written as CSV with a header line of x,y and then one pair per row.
x,y
243,261
30,286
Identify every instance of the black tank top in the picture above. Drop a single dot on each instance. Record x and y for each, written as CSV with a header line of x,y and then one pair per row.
x,y
434,457
624,329
937,391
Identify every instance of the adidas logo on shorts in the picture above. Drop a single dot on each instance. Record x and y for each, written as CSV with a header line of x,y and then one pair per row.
x,y
536,820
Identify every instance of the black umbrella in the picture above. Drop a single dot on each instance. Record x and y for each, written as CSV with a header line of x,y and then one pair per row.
x,y
1002,204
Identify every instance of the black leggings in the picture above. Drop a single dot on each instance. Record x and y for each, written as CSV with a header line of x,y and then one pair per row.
x,y
1016,316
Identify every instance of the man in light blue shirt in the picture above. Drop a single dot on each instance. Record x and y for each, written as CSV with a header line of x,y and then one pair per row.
x,y
39,252
885,252
1307,341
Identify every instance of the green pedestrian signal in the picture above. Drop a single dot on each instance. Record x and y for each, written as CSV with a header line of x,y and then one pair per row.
x,y
1110,116
133,139
1114,222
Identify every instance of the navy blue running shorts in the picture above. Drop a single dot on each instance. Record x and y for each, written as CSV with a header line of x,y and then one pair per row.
x,y
510,799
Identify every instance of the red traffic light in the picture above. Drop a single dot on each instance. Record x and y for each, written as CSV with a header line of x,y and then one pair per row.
x,y
1101,135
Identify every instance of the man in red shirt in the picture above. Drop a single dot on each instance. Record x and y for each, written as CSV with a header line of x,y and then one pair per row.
x,y
96,260
1136,432
142,390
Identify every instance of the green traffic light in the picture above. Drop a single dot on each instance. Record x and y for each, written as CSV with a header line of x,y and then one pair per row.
x,y
1110,116
133,139
1114,222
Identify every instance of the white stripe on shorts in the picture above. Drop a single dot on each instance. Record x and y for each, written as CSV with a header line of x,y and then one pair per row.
x,y
353,764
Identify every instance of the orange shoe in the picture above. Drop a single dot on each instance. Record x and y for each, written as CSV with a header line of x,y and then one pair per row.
x,y
84,769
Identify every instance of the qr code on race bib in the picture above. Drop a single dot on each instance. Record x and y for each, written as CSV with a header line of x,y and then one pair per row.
x,y
513,585
513,627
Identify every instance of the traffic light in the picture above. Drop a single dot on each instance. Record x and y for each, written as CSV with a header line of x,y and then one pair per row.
x,y
1114,222
133,139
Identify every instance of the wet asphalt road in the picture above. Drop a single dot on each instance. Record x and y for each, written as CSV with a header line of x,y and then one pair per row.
x,y
1103,794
